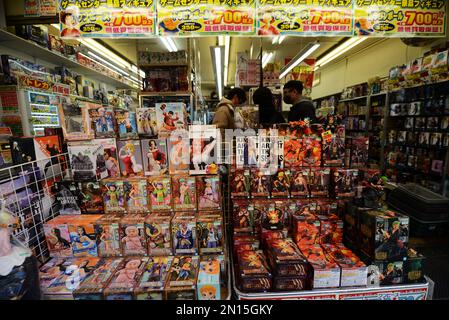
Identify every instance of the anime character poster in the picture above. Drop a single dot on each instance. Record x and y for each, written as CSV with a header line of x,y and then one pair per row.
x,y
132,235
110,156
210,234
127,125
102,121
146,122
155,156
158,232
159,190
184,192
130,158
179,152
113,196
170,117
204,149
208,192
184,234
136,195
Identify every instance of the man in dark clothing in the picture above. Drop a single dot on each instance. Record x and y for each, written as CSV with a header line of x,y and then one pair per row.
x,y
302,107
267,112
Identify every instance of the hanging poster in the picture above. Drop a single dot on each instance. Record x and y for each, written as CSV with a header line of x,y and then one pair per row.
x,y
400,18
206,17
48,7
304,17
106,18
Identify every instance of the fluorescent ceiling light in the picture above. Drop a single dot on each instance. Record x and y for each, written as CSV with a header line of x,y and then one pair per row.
x,y
278,39
226,42
99,63
217,58
169,44
344,47
303,54
106,62
98,48
281,39
266,58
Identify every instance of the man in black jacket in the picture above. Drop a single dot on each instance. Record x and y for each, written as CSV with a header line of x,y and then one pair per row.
x,y
302,107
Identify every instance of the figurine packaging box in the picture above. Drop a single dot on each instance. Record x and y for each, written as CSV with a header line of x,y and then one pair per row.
x,y
151,284
384,234
291,284
345,181
390,272
253,272
414,267
91,198
359,152
210,234
136,195
87,161
108,231
334,152
208,282
114,196
286,260
132,235
57,235
326,272
146,122
102,121
74,116
240,183
246,151
93,285
183,272
353,271
260,183
204,149
209,193
160,193
261,209
110,155
52,270
125,279
184,234
242,216
211,263
331,230
272,217
158,232
67,196
169,117
184,193
83,235
46,151
179,152
280,184
126,123
310,153
299,185
306,229
155,157
130,158
319,182
292,153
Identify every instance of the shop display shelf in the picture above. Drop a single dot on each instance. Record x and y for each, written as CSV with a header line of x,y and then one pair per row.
x,y
168,93
352,99
378,94
162,65
38,52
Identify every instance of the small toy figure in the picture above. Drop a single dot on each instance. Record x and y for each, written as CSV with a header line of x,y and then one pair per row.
x,y
159,193
127,155
125,277
243,218
300,184
273,219
170,118
111,164
114,195
132,239
184,192
185,269
184,237
82,240
208,292
106,238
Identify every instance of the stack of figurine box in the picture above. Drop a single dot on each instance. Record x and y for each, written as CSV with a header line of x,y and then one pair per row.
x,y
293,212
152,221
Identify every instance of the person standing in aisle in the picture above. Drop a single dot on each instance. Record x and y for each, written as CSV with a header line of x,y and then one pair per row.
x,y
224,116
267,113
302,107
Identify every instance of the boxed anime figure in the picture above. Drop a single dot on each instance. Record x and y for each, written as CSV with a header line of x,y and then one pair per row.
x,y
240,183
184,234
136,195
390,272
319,180
261,209
158,231
253,273
444,124
280,184
110,155
331,230
151,284
87,161
132,235
359,151
179,152
306,228
83,235
204,149
184,192
126,123
183,272
93,285
209,196
57,236
260,184
169,117
125,279
325,207
242,219
326,272
353,270
291,284
146,122
67,196
415,108
414,267
208,282
91,198
155,157
345,181
334,151
292,153
245,243
159,191
246,151
108,231
75,120
435,139
384,234
299,185
272,217
130,158
432,123
102,121
210,234
286,260
420,123
114,196
310,153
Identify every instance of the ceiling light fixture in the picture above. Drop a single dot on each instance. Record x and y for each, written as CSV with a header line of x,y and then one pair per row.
x,y
226,42
217,53
169,44
266,58
278,39
108,63
300,57
344,47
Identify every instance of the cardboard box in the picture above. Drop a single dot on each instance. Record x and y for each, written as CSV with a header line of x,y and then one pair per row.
x,y
210,234
83,235
114,196
158,233
87,161
57,236
253,273
132,235
184,193
151,284
286,260
108,228
184,234
208,282
136,195
159,191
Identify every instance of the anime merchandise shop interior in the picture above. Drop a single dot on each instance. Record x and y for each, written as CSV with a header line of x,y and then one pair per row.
x,y
224,150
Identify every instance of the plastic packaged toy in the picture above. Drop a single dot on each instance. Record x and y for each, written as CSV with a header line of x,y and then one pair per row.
x,y
184,192
103,121
184,234
286,260
319,180
300,183
345,181
253,273
136,195
209,196
306,228
57,236
183,271
130,158
126,123
108,229
132,235
390,272
155,156
240,183
359,151
113,196
158,232
151,284
83,235
87,161
125,279
110,156
91,198
280,184
210,234
159,190
146,122
273,217
260,184
331,230
208,283
243,216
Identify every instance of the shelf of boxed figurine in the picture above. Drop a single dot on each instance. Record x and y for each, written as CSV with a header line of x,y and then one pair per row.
x,y
282,243
136,251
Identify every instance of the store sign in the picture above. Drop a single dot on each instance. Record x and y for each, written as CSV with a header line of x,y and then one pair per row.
x,y
62,89
28,82
304,17
400,18
107,18
206,17
48,7
394,294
